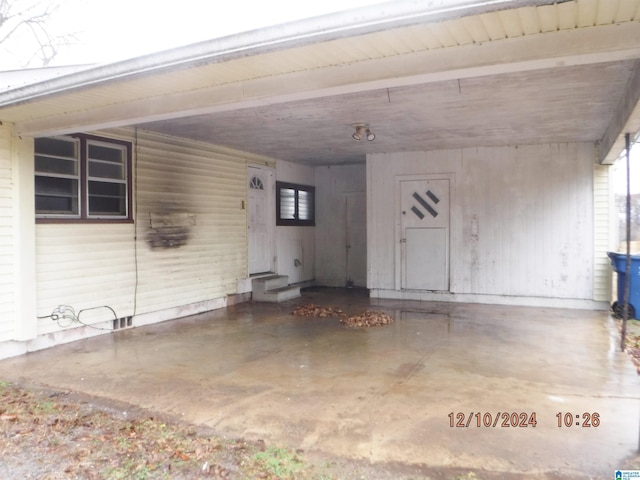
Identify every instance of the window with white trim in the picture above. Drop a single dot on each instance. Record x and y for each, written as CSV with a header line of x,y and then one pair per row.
x,y
82,177
295,205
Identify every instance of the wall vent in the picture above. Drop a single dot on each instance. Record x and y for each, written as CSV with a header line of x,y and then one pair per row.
x,y
124,322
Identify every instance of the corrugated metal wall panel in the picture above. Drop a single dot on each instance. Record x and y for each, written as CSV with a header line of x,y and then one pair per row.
x,y
602,233
626,10
476,29
461,35
607,11
511,23
567,15
529,20
587,12
7,242
548,18
442,33
493,26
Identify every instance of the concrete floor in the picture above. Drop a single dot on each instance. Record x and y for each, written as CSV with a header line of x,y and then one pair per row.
x,y
382,394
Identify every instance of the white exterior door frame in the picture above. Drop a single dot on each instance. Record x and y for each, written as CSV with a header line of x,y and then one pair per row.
x,y
453,226
261,215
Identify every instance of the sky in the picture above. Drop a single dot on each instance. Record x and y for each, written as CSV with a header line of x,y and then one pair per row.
x,y
110,30
620,172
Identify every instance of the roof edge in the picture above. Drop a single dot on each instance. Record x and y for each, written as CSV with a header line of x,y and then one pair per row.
x,y
332,26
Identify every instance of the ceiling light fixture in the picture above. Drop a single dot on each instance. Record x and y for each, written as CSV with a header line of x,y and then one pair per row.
x,y
362,130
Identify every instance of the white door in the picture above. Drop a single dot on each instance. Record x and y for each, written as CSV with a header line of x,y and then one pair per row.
x,y
260,225
424,222
356,228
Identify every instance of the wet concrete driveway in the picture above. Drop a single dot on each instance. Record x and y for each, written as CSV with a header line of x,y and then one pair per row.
x,y
382,394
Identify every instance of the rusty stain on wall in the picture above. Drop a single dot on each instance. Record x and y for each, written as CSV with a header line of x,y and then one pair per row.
x,y
169,229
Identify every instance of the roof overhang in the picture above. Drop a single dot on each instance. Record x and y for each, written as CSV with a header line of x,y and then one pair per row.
x,y
409,50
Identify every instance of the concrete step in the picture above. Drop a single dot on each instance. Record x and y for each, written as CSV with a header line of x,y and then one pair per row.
x,y
269,282
277,295
273,288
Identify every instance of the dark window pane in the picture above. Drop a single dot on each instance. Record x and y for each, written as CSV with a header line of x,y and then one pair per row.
x,y
106,170
47,205
287,203
56,165
56,146
67,187
107,198
102,152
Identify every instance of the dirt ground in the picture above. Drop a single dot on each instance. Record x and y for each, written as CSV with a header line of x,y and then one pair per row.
x,y
51,435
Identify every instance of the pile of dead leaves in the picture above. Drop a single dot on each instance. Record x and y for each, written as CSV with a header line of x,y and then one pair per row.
x,y
313,310
369,318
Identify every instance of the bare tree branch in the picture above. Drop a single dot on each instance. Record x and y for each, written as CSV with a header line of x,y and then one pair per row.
x,y
26,33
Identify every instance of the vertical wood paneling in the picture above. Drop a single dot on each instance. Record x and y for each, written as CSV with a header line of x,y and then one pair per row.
x,y
602,233
332,183
526,218
7,242
296,242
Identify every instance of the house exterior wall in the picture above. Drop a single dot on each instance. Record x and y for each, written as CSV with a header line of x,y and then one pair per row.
x,y
17,240
332,184
7,240
522,223
90,266
295,243
604,232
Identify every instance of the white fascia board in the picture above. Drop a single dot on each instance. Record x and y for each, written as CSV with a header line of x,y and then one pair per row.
x,y
328,27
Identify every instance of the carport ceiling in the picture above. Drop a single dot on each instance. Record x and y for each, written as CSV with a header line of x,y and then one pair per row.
x,y
543,106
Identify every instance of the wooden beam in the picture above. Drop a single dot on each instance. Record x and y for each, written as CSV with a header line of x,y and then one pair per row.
x,y
582,46
626,118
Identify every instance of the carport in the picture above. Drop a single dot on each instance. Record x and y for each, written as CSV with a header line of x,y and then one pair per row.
x,y
480,214
384,394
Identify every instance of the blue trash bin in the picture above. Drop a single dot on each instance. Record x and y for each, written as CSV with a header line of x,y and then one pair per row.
x,y
619,262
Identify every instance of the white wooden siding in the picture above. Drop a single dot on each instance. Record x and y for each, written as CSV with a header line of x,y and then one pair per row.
x,y
602,232
195,179
296,242
89,265
7,242
522,218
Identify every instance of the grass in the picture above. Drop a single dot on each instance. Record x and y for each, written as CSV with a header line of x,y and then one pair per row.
x,y
279,462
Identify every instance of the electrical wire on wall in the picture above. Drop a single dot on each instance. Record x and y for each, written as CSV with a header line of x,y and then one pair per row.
x,y
65,316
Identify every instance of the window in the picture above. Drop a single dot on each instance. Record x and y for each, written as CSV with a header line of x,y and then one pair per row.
x,y
295,205
82,177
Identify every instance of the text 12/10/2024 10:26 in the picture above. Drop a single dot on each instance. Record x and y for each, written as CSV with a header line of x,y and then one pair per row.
x,y
522,419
